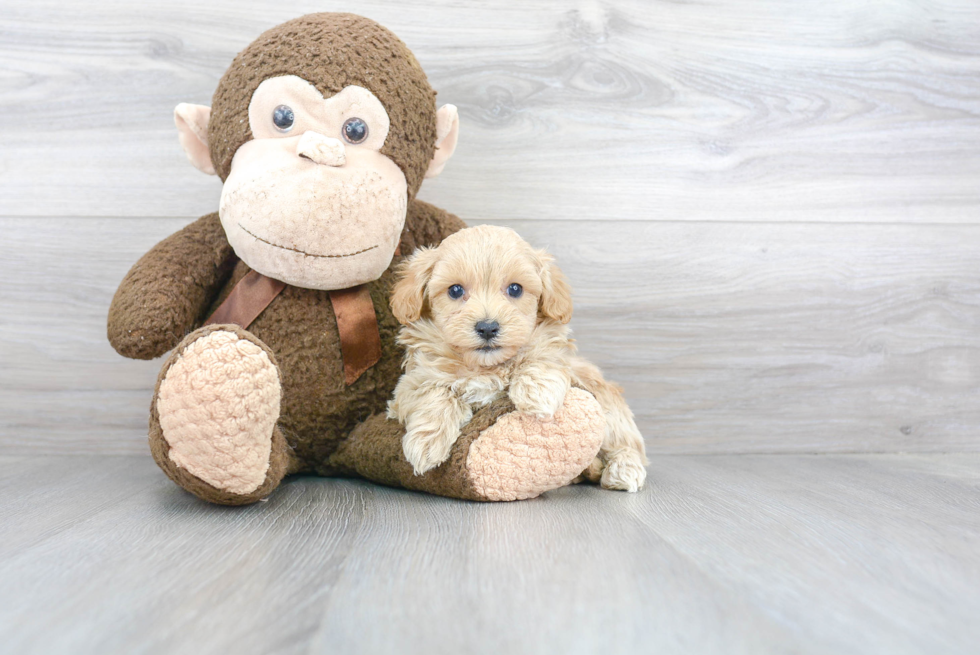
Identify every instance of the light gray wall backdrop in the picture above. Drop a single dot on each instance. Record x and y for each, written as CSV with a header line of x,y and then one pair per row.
x,y
768,209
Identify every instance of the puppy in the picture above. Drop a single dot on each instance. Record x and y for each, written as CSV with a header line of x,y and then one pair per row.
x,y
485,314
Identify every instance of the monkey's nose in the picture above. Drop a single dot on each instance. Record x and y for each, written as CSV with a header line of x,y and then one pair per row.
x,y
321,149
487,329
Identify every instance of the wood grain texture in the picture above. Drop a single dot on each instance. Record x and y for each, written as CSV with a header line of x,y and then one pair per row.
x,y
721,554
727,337
769,213
628,110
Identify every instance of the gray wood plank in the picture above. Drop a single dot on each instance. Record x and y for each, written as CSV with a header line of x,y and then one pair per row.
x,y
782,338
727,337
53,494
861,531
631,110
720,554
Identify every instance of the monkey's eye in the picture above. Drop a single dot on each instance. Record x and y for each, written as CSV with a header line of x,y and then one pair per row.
x,y
515,290
355,130
283,118
456,291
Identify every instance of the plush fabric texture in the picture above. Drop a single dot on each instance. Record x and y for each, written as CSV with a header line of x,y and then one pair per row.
x,y
518,458
374,451
213,415
331,51
192,125
314,112
318,409
326,427
323,150
169,291
500,455
313,226
281,459
218,405
197,270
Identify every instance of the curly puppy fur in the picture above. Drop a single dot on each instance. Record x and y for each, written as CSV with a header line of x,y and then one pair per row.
x,y
484,315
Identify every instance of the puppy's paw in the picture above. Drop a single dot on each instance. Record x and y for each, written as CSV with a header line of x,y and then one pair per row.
x,y
624,471
592,474
541,395
427,449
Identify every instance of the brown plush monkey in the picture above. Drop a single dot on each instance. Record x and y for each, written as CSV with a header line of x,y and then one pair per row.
x,y
276,307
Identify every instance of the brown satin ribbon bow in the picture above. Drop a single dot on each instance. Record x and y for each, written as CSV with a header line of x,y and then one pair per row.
x,y
360,340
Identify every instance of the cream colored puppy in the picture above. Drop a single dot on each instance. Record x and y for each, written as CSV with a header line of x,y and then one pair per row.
x,y
484,314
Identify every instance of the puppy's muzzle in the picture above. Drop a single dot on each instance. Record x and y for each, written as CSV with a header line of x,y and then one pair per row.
x,y
487,330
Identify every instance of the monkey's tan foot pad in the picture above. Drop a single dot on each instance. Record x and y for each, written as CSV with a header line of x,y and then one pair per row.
x,y
218,403
521,456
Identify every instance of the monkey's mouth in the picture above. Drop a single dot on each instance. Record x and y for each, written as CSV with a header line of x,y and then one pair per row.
x,y
302,252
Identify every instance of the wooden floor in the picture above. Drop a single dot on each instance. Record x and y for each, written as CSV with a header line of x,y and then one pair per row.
x,y
770,215
720,554
769,211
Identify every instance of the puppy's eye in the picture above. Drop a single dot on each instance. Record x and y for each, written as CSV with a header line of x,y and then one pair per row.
x,y
355,130
515,290
456,291
283,118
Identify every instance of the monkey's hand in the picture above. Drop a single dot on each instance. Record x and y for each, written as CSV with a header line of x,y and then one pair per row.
x,y
539,389
167,292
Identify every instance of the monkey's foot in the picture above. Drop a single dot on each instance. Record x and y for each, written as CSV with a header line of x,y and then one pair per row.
x,y
213,420
522,456
500,455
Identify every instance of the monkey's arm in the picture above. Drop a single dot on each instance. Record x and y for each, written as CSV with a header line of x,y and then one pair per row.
x,y
167,292
499,454
427,225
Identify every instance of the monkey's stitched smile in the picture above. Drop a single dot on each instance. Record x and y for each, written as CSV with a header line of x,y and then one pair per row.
x,y
302,252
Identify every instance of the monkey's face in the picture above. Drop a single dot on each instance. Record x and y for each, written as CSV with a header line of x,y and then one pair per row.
x,y
323,129
310,200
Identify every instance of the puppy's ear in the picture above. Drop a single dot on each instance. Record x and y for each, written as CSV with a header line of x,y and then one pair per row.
x,y
408,295
556,294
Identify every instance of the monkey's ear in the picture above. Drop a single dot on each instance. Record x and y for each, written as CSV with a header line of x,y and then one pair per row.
x,y
556,293
408,296
192,130
447,134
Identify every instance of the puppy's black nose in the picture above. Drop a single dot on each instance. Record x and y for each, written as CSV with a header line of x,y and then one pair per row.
x,y
487,329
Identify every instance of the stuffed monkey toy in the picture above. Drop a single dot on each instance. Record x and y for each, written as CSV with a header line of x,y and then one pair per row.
x,y
276,308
